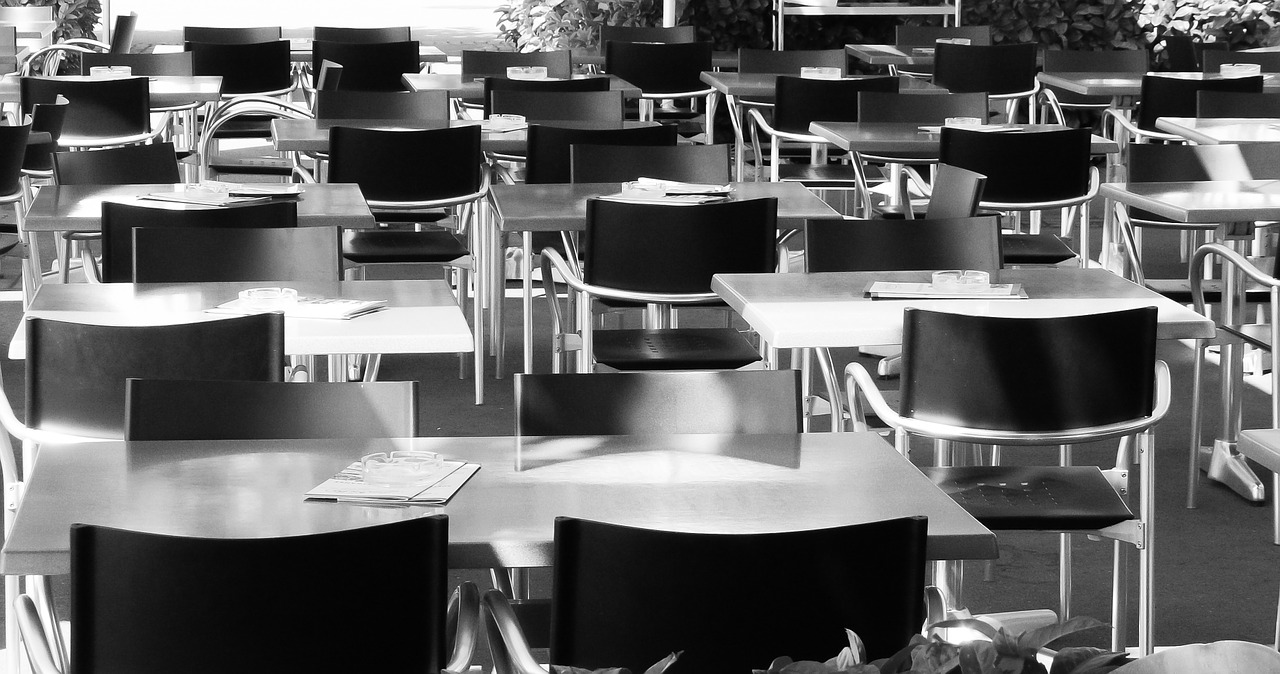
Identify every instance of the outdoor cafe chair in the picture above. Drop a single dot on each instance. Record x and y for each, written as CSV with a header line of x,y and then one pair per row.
x,y
495,84
366,66
212,254
180,409
1079,61
909,36
1237,104
661,34
560,106
1034,382
230,35
13,147
348,34
149,602
1212,60
1168,96
478,63
1007,72
629,597
667,73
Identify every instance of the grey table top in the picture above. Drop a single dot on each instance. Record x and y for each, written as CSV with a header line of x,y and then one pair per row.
x,y
504,515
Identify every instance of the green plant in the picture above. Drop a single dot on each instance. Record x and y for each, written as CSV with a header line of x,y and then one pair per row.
x,y
533,25
1241,24
730,24
1005,653
1065,24
76,18
656,668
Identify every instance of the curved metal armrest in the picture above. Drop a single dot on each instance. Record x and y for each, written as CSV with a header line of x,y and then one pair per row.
x,y
1228,257
571,276
1051,101
97,45
782,135
241,106
1130,240
34,640
1138,134
680,94
463,621
1094,184
435,203
857,379
507,644
42,56
908,175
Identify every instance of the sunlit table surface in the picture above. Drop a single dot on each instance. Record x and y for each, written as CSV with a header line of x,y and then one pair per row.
x,y
166,90
504,516
422,316
312,135
1217,130
889,54
472,88
830,309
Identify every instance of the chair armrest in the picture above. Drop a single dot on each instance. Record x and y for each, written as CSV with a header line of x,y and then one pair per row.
x,y
48,57
858,379
97,45
1055,106
463,619
680,94
575,282
1094,184
507,644
33,637
1228,257
436,203
238,107
1138,134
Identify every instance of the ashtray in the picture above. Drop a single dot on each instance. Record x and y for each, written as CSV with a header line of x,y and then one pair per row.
x,y
110,71
1239,69
400,469
269,298
820,73
962,121
527,72
960,277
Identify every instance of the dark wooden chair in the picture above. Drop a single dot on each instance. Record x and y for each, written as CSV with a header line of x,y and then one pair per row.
x,y
367,66
623,163
207,254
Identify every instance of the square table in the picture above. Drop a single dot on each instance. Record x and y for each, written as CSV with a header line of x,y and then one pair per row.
x,y
761,87
302,48
472,88
1237,205
528,208
1219,130
312,135
504,516
166,90
1123,88
890,54
421,316
78,208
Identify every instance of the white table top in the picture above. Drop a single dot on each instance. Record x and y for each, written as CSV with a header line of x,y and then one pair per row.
x,y
829,309
1217,130
504,515
1202,201
421,316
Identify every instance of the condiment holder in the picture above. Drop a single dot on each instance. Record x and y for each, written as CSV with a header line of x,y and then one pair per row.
x,y
962,121
959,278
110,71
1239,69
269,298
527,72
953,40
400,469
820,73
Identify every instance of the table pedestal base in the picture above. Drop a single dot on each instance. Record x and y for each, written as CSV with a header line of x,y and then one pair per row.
x,y
1223,464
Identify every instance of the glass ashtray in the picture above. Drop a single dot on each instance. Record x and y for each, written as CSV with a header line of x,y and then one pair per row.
x,y
269,298
527,72
400,469
960,277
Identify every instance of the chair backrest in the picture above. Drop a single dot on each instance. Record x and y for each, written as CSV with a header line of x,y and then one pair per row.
x,y
1237,104
1169,96
1213,59
1178,53
417,105
45,118
150,603
76,371
901,245
173,409
13,150
107,108
1104,61
1028,374
879,106
627,597
1016,164
172,63
800,101
388,165
658,68
653,248
368,66
122,33
202,254
995,69
667,34
120,219
224,35
125,165
957,192
623,163
496,83
245,67
791,61
907,35
481,63
566,106
628,403
346,34
328,75
548,154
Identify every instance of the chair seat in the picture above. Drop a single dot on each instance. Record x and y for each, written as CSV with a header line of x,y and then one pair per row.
x,y
825,175
1033,497
1041,248
1179,290
369,246
679,349
1254,334
1263,446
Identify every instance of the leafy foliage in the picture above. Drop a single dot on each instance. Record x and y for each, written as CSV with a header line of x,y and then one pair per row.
x,y
656,668
534,25
730,24
1239,23
1005,653
1064,24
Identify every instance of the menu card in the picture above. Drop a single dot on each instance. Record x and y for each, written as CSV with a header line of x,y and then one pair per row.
x,y
436,490
653,191
303,307
887,290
